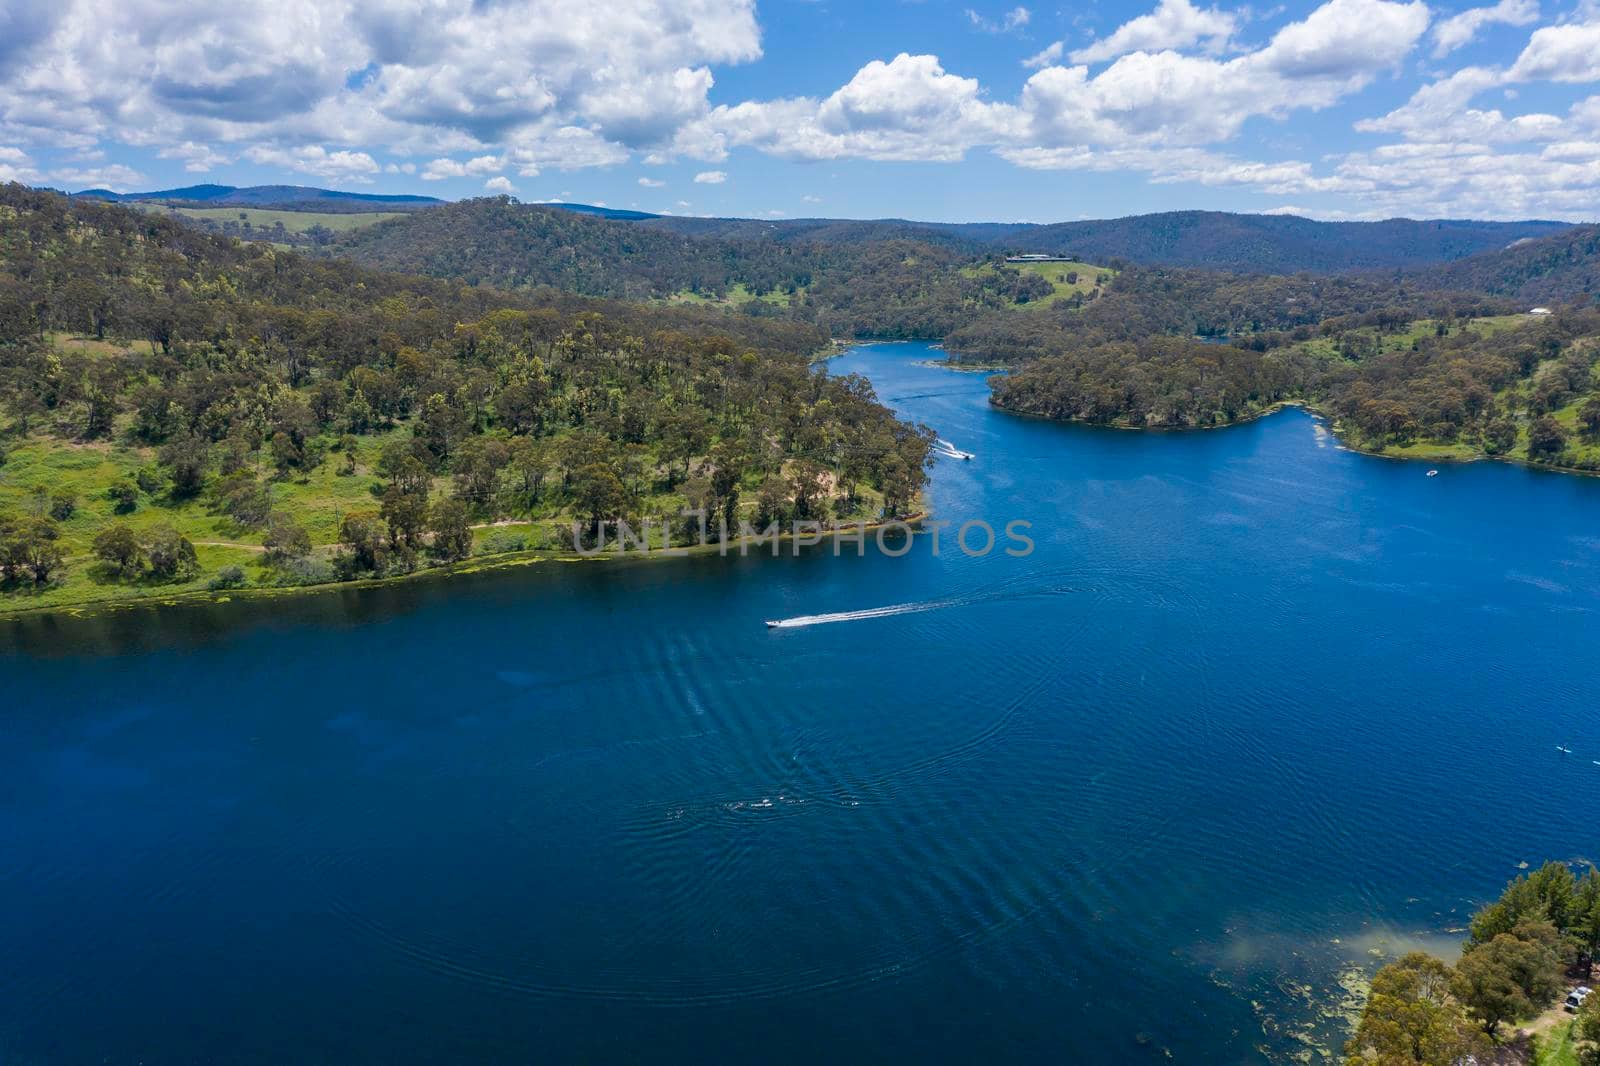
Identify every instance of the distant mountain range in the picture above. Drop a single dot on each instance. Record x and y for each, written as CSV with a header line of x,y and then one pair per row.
x,y
1267,244
263,196
1259,244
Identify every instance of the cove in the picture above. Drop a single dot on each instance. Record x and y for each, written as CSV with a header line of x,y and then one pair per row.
x,y
1254,708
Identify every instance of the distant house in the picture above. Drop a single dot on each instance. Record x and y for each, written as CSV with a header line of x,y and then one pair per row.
x,y
1038,257
1539,311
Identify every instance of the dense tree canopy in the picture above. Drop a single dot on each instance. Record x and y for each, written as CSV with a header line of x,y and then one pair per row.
x,y
240,366
1514,965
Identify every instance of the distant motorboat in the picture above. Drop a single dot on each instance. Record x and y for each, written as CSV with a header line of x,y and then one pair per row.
x,y
951,451
1563,749
1433,473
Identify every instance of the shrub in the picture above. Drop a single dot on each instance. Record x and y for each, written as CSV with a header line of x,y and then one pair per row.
x,y
124,495
504,541
229,577
149,480
306,570
62,505
171,554
286,539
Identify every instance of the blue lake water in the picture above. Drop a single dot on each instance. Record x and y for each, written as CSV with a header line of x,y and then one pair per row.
x,y
1254,708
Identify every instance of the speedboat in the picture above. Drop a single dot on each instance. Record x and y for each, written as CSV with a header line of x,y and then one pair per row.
x,y
1433,473
771,624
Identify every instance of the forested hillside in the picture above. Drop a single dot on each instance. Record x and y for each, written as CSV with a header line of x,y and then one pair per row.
x,y
1556,269
891,287
178,408
1255,244
1277,244
1517,386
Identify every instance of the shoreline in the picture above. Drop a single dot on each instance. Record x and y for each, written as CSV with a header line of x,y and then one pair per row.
x,y
1314,411
1275,408
473,565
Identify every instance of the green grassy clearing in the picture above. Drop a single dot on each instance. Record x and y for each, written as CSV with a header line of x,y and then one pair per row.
x,y
736,296
1556,1046
1086,278
1403,340
268,218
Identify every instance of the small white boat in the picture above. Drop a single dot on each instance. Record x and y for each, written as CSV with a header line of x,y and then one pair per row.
x,y
1433,473
1563,749
772,624
950,451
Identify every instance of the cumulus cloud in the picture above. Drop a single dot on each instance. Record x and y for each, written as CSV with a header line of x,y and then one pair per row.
x,y
197,158
1171,98
500,184
441,169
1569,53
912,108
1459,30
907,108
116,177
419,76
1444,109
1173,24
651,183
483,90
342,165
15,165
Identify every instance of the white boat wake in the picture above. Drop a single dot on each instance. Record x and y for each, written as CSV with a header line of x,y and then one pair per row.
x,y
950,451
856,616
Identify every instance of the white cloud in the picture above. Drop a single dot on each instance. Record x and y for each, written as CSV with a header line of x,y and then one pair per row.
x,y
197,158
911,108
1168,99
442,169
436,77
1459,30
1173,24
1015,19
651,183
115,177
561,148
808,198
500,184
1349,40
906,108
1569,53
15,165
314,159
490,89
1045,57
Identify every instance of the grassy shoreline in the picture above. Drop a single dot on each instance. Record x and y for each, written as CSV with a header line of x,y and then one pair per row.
x,y
156,596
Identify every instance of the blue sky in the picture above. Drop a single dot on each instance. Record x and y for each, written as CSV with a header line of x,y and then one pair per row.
x,y
955,110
